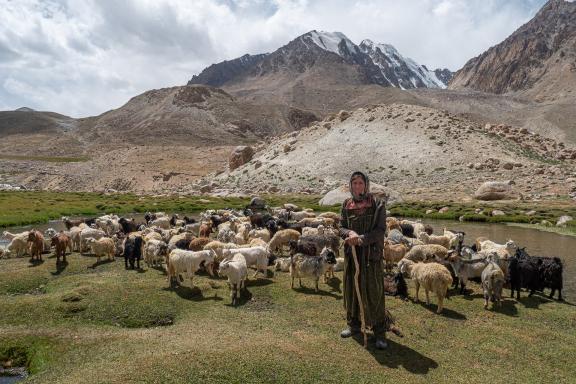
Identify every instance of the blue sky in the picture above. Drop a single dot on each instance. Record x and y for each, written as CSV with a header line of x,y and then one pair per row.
x,y
82,58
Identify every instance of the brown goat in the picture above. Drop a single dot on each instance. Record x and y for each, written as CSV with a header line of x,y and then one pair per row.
x,y
198,243
205,230
392,223
393,253
37,247
60,242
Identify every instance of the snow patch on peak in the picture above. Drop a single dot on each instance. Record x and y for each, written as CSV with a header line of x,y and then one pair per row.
x,y
330,41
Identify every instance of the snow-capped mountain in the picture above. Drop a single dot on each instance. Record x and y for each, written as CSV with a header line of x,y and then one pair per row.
x,y
328,54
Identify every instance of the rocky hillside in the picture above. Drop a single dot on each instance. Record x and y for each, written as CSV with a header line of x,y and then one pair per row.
x,y
538,60
415,151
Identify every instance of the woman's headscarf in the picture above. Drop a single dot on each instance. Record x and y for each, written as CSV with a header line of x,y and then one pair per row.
x,y
363,196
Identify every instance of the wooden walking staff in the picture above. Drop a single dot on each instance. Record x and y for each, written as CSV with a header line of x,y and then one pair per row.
x,y
358,293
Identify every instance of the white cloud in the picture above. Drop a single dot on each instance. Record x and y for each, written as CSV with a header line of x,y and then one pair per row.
x,y
84,57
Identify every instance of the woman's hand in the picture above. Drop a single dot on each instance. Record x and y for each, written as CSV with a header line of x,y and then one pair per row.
x,y
353,239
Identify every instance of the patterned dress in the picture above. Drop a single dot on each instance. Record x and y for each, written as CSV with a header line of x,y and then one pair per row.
x,y
368,219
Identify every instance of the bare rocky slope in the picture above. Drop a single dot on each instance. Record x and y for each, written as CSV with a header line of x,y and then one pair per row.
x,y
415,151
537,61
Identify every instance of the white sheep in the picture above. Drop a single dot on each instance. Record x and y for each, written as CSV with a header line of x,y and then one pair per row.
x,y
18,245
426,252
180,261
161,222
255,257
262,233
492,281
432,276
102,247
237,272
89,233
433,239
155,251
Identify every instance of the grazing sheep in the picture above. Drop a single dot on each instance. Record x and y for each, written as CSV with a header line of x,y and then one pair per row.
x,y
155,251
311,266
89,233
237,272
37,247
255,257
60,242
18,243
393,253
432,239
432,276
102,247
492,281
180,261
133,251
426,252
281,239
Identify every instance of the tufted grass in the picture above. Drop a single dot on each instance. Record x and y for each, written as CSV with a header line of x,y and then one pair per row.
x,y
103,324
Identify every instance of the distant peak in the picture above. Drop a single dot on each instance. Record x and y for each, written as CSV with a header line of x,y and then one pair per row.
x,y
24,109
330,41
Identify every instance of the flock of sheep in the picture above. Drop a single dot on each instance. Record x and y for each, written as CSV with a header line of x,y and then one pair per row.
x,y
290,239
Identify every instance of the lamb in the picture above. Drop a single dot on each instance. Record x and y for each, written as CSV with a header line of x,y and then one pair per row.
x,y
426,252
89,233
393,253
155,251
492,281
37,239
237,272
60,242
133,251
180,261
312,266
432,239
256,256
432,276
102,247
282,238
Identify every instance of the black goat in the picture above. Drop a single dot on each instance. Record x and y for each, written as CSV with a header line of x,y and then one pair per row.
x,y
549,272
407,230
305,247
133,251
128,226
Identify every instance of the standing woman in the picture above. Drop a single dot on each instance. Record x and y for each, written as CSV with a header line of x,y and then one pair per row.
x,y
363,226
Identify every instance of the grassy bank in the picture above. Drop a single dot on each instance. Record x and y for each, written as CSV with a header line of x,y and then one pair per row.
x,y
100,323
21,208
513,212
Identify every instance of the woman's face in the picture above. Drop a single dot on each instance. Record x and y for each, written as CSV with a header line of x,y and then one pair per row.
x,y
358,186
